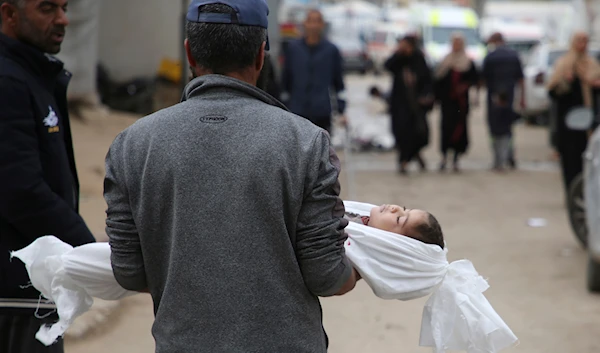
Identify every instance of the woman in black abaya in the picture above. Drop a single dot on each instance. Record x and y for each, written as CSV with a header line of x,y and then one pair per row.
x,y
410,101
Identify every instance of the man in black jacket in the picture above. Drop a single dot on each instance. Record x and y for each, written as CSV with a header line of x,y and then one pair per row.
x,y
39,190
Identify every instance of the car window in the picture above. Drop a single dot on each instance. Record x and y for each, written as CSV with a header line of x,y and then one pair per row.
x,y
379,37
523,48
533,59
555,55
443,35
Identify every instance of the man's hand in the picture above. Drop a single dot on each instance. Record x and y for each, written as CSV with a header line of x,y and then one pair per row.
x,y
350,283
569,77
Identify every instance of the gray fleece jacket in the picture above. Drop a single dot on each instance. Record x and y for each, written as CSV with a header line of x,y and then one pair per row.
x,y
226,208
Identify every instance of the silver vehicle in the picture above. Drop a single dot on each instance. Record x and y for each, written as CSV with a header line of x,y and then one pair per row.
x,y
538,70
591,209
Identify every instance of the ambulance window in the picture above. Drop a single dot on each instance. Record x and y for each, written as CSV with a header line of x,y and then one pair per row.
x,y
443,35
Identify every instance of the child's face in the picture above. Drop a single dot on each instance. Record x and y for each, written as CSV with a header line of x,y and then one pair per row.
x,y
397,219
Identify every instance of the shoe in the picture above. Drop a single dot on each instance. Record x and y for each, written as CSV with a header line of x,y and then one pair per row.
x,y
512,164
443,166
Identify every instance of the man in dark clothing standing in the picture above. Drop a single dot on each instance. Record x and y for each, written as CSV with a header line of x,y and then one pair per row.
x,y
226,207
39,190
313,67
502,72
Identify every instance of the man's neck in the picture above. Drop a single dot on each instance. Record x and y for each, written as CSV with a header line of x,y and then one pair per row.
x,y
312,40
237,75
4,29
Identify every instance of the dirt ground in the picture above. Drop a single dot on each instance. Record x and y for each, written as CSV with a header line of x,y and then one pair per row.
x,y
537,275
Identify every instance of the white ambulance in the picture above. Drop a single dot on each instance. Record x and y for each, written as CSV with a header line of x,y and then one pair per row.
x,y
436,25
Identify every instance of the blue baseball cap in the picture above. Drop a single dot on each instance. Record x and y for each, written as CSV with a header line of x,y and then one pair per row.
x,y
247,13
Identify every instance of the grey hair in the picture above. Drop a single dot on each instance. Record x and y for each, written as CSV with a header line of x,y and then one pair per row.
x,y
224,48
17,3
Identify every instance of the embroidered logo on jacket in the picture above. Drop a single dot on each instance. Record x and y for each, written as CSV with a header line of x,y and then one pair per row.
x,y
213,119
51,121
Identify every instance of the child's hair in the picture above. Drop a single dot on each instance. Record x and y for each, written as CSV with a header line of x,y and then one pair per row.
x,y
374,91
431,232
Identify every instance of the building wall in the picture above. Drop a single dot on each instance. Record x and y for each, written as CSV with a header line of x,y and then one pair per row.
x,y
135,35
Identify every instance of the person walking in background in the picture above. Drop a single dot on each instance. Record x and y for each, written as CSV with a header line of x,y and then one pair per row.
x,y
454,78
226,207
411,98
575,78
312,68
502,73
39,189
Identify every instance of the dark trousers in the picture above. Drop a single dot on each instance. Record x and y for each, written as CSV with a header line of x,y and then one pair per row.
x,y
501,146
17,335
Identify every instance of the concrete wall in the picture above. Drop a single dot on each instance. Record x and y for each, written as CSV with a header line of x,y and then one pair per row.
x,y
135,35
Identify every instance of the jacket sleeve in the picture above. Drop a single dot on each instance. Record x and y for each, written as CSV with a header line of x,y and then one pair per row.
x,y
126,251
320,231
338,81
486,70
26,201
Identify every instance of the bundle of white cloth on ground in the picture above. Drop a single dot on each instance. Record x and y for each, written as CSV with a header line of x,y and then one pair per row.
x,y
457,316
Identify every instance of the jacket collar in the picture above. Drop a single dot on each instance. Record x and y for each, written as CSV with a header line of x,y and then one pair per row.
x,y
30,58
203,84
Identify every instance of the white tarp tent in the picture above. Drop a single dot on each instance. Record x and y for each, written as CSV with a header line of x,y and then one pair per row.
x,y
129,38
80,48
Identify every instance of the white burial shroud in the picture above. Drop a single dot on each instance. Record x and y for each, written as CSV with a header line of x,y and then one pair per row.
x,y
456,317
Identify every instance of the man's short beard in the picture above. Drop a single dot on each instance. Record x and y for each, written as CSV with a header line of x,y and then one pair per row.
x,y
28,34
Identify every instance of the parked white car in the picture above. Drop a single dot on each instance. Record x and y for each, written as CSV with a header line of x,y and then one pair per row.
x,y
521,36
537,70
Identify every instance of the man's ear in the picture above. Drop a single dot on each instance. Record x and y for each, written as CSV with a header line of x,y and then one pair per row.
x,y
188,53
260,58
7,14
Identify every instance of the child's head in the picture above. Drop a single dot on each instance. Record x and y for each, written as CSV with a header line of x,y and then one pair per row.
x,y
416,224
